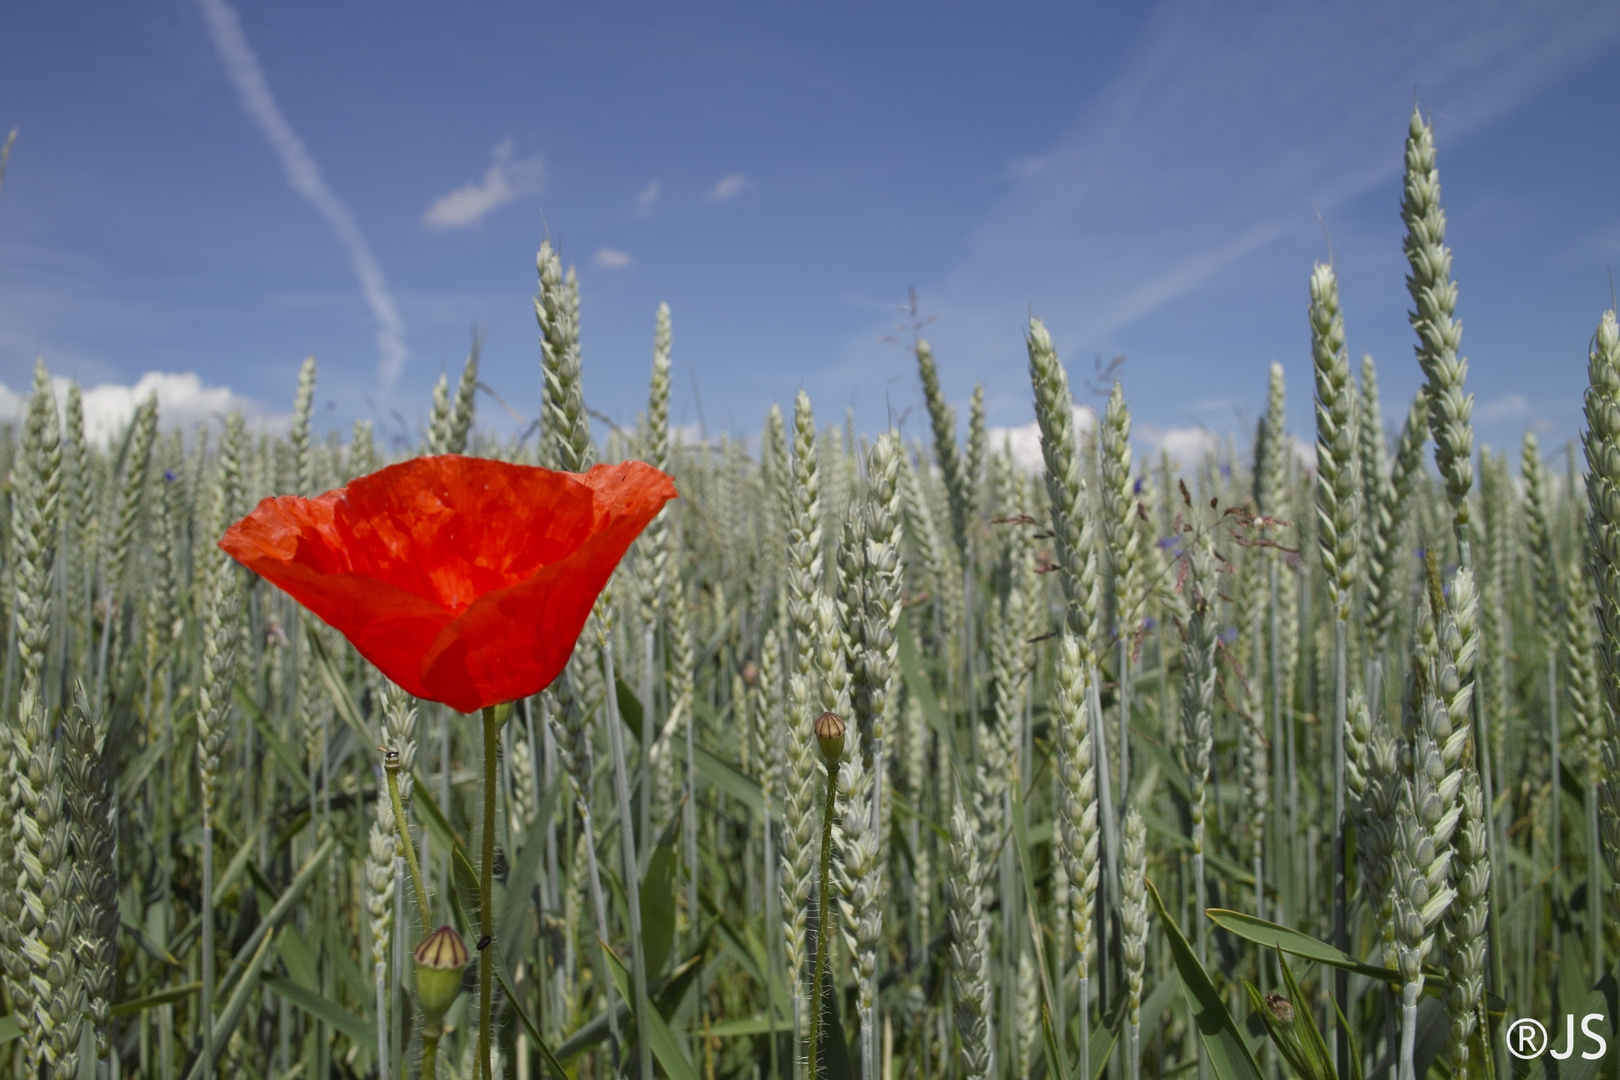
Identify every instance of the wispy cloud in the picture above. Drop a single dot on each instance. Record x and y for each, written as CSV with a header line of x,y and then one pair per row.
x,y
504,181
1508,407
727,188
612,258
1223,136
242,66
648,198
184,401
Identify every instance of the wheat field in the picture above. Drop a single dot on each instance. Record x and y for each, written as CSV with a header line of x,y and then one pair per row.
x,y
1278,765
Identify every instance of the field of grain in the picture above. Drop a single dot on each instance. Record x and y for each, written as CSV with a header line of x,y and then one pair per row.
x,y
1274,766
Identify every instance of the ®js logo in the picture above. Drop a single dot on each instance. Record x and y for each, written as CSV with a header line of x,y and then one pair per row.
x,y
1527,1039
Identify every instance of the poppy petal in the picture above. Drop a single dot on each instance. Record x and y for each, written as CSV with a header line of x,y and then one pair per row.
x,y
463,580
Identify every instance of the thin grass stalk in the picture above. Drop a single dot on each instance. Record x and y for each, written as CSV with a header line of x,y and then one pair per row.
x,y
689,826
574,751
869,581
92,829
806,604
1198,696
1270,497
681,648
32,804
970,950
1387,524
1579,651
829,731
1423,891
1133,936
1338,525
627,838
1121,542
463,409
131,501
1200,630
213,698
1602,445
1075,550
486,892
1547,593
1077,818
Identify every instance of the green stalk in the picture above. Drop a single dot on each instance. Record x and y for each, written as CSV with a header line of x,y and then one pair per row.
x,y
486,891
391,767
824,916
627,840
381,978
396,1020
1594,882
1341,928
207,1008
1084,990
1555,810
430,1052
1280,832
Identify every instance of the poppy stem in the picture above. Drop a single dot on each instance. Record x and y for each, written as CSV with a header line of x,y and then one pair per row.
x,y
430,1052
391,767
486,890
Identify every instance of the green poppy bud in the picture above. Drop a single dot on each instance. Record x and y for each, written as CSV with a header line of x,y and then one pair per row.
x,y
830,734
439,962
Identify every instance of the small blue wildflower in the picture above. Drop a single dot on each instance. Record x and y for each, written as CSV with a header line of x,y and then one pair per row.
x,y
168,476
1136,487
1229,635
1149,622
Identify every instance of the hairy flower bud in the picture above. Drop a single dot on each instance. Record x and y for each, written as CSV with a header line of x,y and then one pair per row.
x,y
830,736
439,963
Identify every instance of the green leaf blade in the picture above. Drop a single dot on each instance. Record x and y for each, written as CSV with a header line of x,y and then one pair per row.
x,y
1228,1053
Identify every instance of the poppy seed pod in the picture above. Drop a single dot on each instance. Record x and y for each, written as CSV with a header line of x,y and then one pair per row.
x,y
830,735
439,962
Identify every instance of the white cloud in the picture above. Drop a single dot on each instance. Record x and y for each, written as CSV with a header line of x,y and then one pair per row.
x,y
648,198
1024,441
1186,446
1305,451
242,66
504,181
612,258
728,188
184,401
1509,407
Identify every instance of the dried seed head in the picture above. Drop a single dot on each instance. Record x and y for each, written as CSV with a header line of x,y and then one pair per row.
x,y
1281,1008
439,963
830,735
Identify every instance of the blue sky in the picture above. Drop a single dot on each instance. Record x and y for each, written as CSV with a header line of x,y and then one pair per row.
x,y
220,188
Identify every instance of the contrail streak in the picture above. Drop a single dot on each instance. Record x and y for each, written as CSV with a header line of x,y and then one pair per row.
x,y
305,177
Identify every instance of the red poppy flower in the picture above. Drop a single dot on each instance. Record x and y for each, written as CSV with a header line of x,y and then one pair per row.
x,y
464,580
